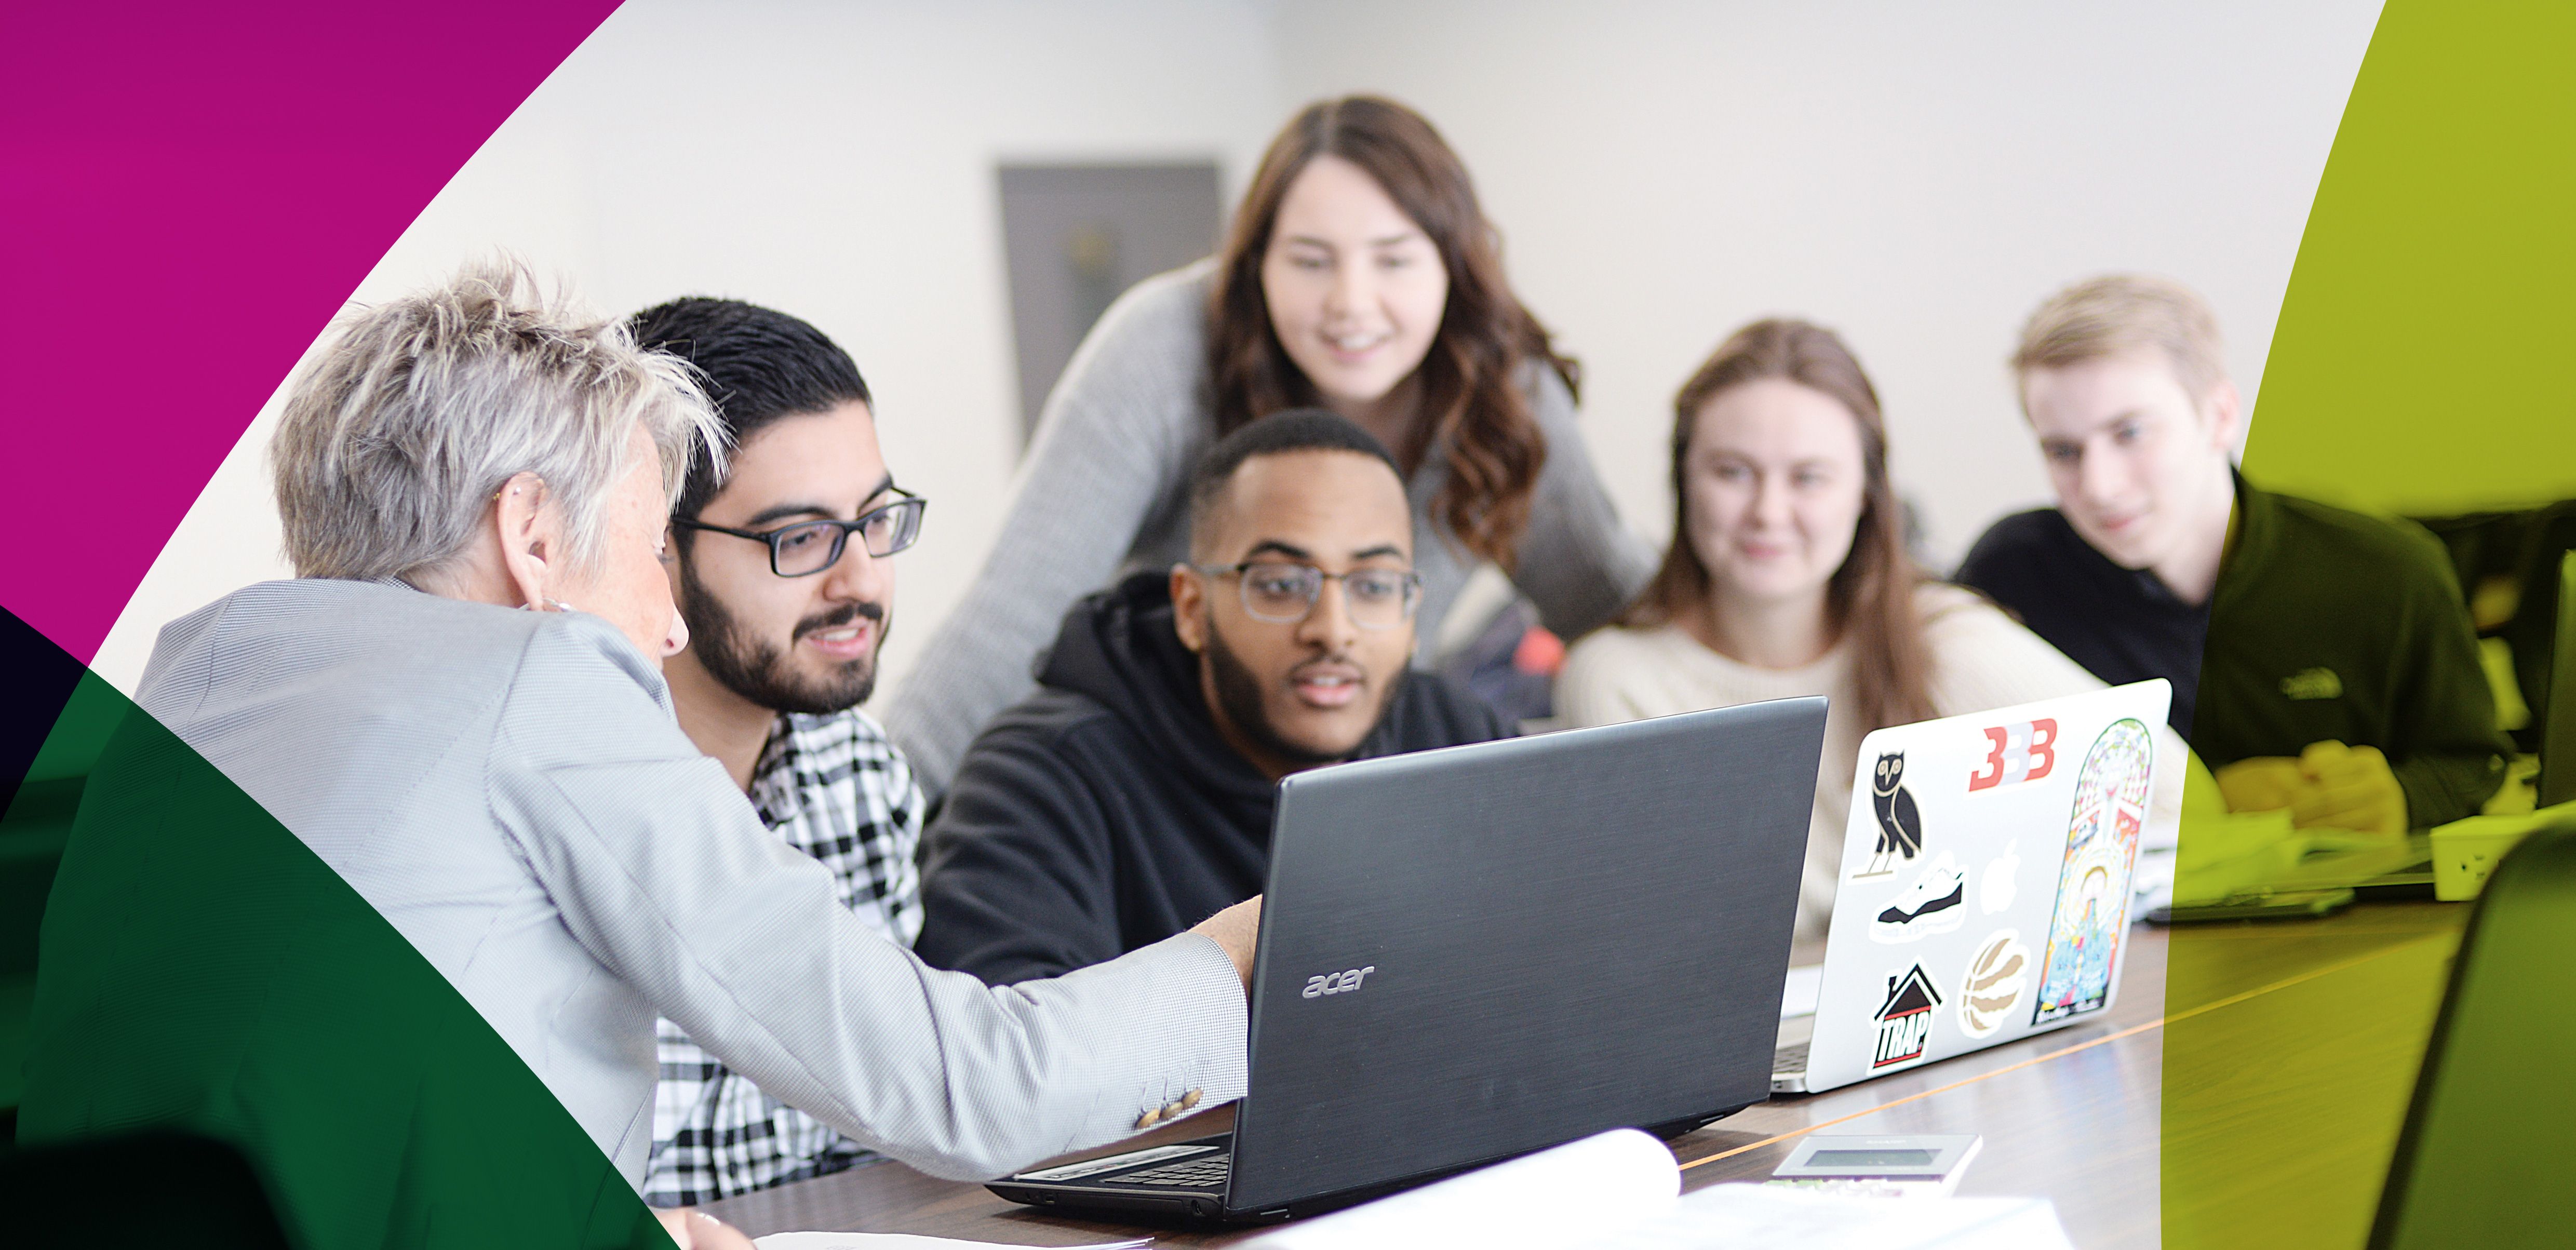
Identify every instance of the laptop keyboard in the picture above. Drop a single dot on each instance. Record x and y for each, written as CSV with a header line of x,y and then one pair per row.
x,y
1207,1171
1791,1058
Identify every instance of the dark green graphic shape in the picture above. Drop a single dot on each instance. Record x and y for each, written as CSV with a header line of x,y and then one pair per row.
x,y
201,970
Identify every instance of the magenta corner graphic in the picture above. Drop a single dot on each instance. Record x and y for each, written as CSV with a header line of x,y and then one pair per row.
x,y
190,192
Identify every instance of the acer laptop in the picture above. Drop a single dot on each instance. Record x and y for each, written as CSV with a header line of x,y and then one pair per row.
x,y
1984,891
1473,953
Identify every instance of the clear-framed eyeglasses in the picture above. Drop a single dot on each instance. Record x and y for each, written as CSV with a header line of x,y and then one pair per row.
x,y
809,547
1283,592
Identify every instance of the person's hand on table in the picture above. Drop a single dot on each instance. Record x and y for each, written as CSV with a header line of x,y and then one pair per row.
x,y
2348,788
1235,929
693,1229
2329,786
2264,783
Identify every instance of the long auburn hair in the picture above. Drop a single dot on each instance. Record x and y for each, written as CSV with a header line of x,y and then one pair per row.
x,y
1471,406
1869,602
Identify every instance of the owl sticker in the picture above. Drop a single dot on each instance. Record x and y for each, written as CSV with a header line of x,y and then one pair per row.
x,y
1900,822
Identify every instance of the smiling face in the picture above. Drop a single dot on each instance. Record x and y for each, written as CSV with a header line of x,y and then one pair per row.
x,y
1774,482
1291,695
2138,462
1354,288
792,644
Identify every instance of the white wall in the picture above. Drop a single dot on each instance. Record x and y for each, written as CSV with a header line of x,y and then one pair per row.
x,y
1917,176
831,158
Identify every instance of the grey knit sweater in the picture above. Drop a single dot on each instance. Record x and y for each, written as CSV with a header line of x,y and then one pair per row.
x,y
1103,491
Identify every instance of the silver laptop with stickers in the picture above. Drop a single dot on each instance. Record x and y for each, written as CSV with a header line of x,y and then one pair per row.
x,y
1984,892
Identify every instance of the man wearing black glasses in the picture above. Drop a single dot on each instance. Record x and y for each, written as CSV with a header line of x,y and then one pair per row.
x,y
1131,796
781,571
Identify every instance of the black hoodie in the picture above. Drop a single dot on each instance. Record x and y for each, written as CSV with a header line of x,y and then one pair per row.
x,y
1104,813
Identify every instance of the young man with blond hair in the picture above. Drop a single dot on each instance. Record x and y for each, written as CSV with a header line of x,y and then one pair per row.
x,y
2340,675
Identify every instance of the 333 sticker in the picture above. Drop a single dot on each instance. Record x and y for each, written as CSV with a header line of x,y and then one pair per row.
x,y
2024,751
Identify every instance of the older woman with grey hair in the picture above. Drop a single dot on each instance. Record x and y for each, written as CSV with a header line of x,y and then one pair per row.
x,y
457,705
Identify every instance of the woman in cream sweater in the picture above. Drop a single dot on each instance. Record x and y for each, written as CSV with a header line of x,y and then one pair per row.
x,y
1787,576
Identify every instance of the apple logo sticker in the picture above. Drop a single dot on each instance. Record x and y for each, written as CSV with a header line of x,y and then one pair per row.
x,y
1995,893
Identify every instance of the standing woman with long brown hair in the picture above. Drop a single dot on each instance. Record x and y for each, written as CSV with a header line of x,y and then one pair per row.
x,y
1788,577
1359,274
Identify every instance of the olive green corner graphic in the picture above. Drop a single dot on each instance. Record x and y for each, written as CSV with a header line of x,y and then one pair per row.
x,y
2415,371
2418,366
201,970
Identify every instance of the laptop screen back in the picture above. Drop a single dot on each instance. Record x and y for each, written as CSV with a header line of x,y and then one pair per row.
x,y
1471,953
1985,884
2557,783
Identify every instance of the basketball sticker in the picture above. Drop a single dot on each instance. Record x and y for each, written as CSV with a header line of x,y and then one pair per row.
x,y
2093,881
1993,984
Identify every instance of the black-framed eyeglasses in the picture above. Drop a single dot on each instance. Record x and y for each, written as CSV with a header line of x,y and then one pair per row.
x,y
809,547
1283,592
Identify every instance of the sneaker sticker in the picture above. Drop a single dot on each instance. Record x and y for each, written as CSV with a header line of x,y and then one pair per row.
x,y
1936,903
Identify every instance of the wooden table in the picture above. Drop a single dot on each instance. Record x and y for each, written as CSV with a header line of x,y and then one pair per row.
x,y
2290,1052
2075,1115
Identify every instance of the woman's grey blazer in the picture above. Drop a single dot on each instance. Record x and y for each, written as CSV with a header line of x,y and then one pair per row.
x,y
510,790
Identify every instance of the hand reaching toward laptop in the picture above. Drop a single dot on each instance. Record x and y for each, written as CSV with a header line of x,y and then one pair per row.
x,y
692,1229
2349,788
1236,928
2330,785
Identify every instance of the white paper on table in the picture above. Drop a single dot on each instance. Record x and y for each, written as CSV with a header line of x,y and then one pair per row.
x,y
1798,993
1543,1201
906,1241
1741,1216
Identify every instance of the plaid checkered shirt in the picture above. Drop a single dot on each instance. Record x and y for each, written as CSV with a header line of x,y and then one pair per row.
x,y
836,789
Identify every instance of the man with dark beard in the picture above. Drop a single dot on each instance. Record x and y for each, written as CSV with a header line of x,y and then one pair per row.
x,y
780,569
1131,796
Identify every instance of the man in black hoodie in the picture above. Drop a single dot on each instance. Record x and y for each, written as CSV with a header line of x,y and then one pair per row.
x,y
1130,797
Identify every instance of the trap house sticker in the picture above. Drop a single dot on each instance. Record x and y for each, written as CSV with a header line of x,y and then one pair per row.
x,y
1993,984
1905,1019
2016,753
1900,822
2093,884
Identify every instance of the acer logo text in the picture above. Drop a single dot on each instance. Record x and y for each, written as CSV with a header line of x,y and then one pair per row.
x,y
1337,982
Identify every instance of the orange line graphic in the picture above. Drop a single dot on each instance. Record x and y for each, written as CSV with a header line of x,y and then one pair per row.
x,y
2132,1030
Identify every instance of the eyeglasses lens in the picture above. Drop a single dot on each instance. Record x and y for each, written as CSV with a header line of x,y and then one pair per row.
x,y
1280,593
892,528
814,546
808,548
